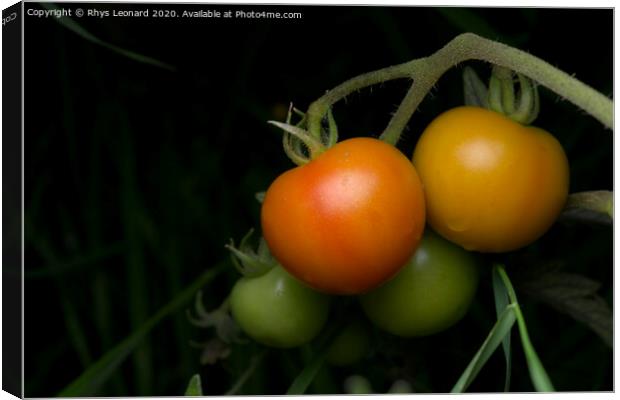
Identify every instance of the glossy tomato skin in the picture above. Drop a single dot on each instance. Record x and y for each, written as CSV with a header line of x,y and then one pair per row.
x,y
277,310
431,293
348,220
491,184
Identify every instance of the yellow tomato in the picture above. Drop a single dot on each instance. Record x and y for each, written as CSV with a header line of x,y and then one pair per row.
x,y
491,184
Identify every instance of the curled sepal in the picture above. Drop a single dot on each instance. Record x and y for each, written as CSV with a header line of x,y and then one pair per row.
x,y
330,136
528,107
225,326
293,147
501,91
248,261
522,106
474,90
301,146
314,146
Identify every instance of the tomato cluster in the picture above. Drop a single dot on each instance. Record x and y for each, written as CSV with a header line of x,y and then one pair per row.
x,y
352,221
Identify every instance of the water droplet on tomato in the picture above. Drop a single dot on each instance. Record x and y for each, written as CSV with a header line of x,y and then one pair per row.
x,y
458,224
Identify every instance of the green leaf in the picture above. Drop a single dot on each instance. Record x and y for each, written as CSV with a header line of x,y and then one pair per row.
x,y
501,328
501,302
594,206
194,388
97,374
70,24
576,296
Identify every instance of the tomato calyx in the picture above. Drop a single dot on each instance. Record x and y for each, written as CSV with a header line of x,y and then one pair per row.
x,y
522,106
299,144
250,262
227,331
220,319
519,103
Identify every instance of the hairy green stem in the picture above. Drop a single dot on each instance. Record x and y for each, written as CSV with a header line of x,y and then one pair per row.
x,y
468,46
317,110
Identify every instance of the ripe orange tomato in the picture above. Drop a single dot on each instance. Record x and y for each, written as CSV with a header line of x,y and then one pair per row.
x,y
491,184
348,220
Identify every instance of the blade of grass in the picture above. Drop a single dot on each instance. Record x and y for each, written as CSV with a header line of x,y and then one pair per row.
x,y
174,259
501,302
538,374
69,120
194,388
167,246
306,376
502,327
47,363
101,253
93,218
76,331
132,211
97,374
254,363
77,335
73,26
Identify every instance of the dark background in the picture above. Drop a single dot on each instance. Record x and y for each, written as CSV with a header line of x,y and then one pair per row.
x,y
136,176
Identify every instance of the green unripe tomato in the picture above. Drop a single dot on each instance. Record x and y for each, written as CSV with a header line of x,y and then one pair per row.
x,y
431,293
349,346
277,310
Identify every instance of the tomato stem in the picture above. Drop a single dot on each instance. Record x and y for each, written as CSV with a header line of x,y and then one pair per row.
x,y
427,70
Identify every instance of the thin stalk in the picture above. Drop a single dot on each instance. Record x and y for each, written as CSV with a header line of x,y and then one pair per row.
x,y
254,363
468,46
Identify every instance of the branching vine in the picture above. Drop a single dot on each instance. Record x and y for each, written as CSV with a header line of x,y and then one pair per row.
x,y
426,71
